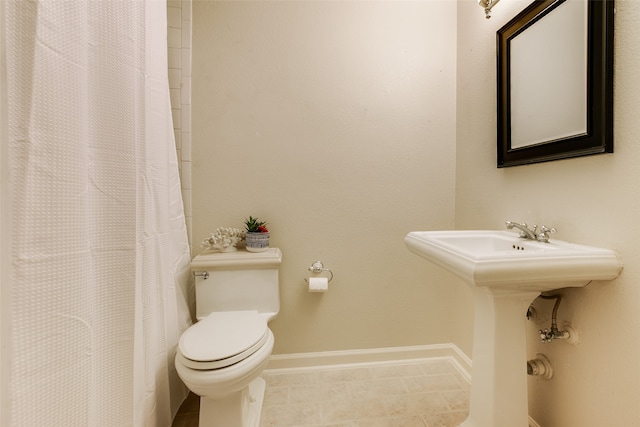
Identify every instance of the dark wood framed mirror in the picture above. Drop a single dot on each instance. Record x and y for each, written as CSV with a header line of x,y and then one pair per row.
x,y
555,82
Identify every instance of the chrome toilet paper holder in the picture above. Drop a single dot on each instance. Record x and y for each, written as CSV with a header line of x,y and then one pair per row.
x,y
317,268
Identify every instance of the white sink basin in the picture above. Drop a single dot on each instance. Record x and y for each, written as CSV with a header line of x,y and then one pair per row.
x,y
503,260
505,274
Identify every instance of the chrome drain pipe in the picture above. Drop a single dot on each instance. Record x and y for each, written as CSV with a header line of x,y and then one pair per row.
x,y
540,367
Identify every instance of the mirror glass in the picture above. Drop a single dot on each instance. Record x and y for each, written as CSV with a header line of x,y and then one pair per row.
x,y
549,77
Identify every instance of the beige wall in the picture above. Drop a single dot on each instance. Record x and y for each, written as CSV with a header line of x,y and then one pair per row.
x,y
334,121
591,200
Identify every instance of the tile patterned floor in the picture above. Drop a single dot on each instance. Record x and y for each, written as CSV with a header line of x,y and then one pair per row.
x,y
418,394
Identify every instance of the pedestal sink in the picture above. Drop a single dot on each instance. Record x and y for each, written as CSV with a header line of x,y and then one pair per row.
x,y
506,273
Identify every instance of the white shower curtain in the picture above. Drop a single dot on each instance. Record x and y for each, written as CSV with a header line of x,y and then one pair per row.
x,y
100,258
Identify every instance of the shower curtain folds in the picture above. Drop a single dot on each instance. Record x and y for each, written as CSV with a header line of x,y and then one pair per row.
x,y
100,258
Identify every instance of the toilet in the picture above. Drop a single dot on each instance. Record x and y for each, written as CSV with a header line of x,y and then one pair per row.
x,y
220,358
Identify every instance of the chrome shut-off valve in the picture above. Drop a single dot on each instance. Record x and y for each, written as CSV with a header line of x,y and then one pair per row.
x,y
547,335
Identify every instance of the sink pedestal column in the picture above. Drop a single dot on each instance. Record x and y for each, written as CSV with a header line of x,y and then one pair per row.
x,y
499,375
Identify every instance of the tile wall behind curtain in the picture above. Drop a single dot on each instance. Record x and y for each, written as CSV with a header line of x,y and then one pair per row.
x,y
179,45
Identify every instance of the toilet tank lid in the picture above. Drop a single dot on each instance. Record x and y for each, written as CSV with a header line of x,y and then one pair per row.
x,y
238,260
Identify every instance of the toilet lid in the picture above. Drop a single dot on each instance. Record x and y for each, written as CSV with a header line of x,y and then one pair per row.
x,y
222,339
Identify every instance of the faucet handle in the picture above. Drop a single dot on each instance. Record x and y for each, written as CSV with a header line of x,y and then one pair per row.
x,y
545,335
543,235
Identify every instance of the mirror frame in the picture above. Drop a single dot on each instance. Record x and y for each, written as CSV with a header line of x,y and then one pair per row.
x,y
599,136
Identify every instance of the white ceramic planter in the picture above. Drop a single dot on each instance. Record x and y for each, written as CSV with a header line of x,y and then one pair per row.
x,y
257,242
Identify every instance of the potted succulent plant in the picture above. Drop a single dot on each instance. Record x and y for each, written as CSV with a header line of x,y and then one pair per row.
x,y
257,238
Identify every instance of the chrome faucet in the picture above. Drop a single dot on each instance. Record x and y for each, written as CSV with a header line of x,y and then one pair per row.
x,y
525,232
531,233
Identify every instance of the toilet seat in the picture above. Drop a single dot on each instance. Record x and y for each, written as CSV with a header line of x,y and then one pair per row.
x,y
222,339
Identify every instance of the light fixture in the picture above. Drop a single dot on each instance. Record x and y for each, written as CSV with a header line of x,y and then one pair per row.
x,y
487,5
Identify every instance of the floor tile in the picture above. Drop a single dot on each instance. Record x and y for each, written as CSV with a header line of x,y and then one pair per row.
x,y
290,379
402,421
416,404
446,419
426,383
388,371
438,367
301,414
342,374
352,409
428,393
318,393
376,389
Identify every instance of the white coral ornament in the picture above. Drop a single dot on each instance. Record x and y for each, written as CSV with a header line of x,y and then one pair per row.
x,y
224,239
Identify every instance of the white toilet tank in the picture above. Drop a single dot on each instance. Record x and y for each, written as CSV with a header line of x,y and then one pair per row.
x,y
237,281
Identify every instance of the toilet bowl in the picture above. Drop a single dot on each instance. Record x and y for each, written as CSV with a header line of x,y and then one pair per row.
x,y
220,358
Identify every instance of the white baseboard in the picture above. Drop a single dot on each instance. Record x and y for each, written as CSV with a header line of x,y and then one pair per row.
x,y
532,423
374,356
